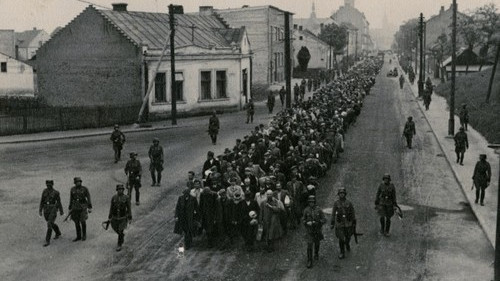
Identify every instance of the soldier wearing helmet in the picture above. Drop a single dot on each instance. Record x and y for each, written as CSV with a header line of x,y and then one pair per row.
x,y
344,219
120,214
313,220
156,165
385,201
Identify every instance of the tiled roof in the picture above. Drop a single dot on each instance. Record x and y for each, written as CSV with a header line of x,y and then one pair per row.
x,y
144,28
24,38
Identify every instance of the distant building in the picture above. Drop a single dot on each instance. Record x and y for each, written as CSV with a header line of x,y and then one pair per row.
x,y
440,24
348,14
313,23
16,77
266,32
467,61
318,49
28,42
8,42
383,37
106,58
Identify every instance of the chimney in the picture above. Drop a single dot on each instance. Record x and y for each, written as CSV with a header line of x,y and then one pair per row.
x,y
442,10
120,7
206,10
300,27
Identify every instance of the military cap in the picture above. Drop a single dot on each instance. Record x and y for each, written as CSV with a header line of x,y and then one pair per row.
x,y
133,154
49,182
119,186
116,126
386,176
342,190
482,156
77,179
156,140
462,129
311,198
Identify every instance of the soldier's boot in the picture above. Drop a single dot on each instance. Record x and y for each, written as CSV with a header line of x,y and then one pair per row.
x,y
84,231
78,232
316,251
477,194
309,257
158,178
482,197
387,227
47,237
137,196
382,225
348,244
342,249
153,177
56,230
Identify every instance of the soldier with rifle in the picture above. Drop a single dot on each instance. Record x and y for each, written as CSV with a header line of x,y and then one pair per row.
x,y
133,170
118,139
119,214
385,201
313,220
79,208
344,219
49,205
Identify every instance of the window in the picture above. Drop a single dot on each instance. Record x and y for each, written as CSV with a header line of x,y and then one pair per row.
x,y
160,87
206,85
300,37
179,86
221,84
3,67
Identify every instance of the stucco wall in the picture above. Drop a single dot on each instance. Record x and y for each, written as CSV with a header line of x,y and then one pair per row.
x,y
317,49
191,70
18,80
88,63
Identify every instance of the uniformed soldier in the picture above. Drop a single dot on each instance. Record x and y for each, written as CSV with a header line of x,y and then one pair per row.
x,y
344,219
133,170
409,131
481,177
120,214
118,139
250,110
213,127
461,145
313,220
385,201
79,207
49,205
156,165
401,81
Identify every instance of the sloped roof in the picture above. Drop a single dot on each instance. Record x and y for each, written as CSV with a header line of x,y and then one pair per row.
x,y
24,38
151,29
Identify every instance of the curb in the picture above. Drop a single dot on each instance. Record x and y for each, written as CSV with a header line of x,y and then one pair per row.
x,y
480,220
90,135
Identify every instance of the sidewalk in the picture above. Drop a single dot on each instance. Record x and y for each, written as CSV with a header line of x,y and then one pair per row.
x,y
437,116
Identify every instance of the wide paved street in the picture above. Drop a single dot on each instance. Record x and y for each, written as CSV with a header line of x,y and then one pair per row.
x,y
438,238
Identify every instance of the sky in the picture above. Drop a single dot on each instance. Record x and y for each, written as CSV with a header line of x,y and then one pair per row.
x,y
48,14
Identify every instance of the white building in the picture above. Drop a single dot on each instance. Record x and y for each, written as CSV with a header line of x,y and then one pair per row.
x,y
16,77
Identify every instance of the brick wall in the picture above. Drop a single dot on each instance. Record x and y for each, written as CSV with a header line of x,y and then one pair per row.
x,y
88,63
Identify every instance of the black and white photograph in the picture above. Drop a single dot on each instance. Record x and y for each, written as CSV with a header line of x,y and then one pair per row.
x,y
249,140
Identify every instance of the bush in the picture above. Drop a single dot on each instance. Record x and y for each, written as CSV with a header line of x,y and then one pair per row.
x,y
471,89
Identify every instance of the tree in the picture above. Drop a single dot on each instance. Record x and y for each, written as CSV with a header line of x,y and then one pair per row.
x,y
405,38
488,22
334,35
303,57
441,50
470,31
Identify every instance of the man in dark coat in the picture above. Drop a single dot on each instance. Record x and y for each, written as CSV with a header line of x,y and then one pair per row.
x,y
208,212
118,139
120,214
270,219
213,127
385,201
210,164
409,131
313,220
79,207
250,110
250,210
49,205
344,219
481,177
133,170
156,165
401,81
461,145
464,116
282,94
184,217
271,99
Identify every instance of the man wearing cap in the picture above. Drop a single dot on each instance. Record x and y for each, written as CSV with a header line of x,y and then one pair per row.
x,y
118,139
344,219
249,221
314,219
133,170
210,164
184,217
385,201
79,207
409,131
464,116
461,145
481,177
120,213
213,127
156,165
49,205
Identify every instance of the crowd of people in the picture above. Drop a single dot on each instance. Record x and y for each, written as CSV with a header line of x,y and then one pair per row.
x,y
259,189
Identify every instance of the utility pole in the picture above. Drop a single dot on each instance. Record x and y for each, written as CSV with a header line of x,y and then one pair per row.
x,y
288,61
171,12
356,47
497,236
493,73
421,37
416,49
425,47
451,121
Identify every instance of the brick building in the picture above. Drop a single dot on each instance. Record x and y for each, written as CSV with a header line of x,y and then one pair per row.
x,y
105,57
266,32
